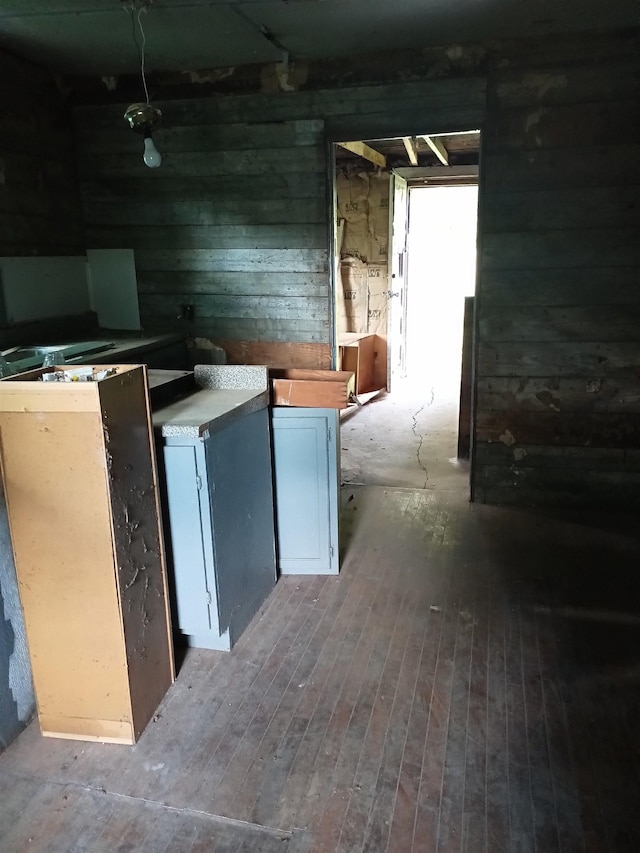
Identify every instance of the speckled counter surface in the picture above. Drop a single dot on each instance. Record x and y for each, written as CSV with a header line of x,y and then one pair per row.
x,y
227,393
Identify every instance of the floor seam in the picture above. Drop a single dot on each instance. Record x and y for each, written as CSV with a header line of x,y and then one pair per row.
x,y
183,810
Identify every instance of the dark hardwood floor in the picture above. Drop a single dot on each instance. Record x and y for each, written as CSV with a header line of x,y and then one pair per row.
x,y
470,682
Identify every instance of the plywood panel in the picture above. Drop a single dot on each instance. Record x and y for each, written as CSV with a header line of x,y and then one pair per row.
x,y
55,479
84,515
43,287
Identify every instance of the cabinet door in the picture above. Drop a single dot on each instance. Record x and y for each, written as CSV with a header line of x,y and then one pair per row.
x,y
306,473
190,543
241,494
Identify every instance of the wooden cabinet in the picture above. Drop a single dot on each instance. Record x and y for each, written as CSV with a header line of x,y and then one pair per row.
x,y
221,528
81,488
306,462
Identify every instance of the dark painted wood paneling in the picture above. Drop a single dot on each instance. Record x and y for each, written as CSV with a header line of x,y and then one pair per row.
x,y
580,125
617,392
536,323
567,358
613,247
232,283
234,210
580,286
210,236
564,83
40,212
558,371
606,165
559,429
597,207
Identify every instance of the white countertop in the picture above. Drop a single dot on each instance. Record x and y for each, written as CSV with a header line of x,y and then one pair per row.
x,y
228,392
208,411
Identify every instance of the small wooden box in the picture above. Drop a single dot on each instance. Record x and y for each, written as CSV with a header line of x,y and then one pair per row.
x,y
366,356
81,486
325,389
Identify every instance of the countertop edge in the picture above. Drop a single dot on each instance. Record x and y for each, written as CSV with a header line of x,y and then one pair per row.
x,y
173,429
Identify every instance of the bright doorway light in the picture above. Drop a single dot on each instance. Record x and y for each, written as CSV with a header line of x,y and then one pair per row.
x,y
441,272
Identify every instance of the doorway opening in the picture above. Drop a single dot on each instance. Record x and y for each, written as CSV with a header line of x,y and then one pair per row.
x,y
405,278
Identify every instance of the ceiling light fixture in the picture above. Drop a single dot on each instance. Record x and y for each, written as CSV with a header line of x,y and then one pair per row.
x,y
143,118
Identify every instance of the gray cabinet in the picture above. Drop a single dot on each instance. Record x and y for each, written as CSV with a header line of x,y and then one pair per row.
x,y
219,500
306,464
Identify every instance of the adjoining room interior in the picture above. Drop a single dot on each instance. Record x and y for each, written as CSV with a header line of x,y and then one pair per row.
x,y
409,435
443,658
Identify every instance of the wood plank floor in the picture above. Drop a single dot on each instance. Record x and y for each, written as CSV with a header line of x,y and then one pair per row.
x,y
470,682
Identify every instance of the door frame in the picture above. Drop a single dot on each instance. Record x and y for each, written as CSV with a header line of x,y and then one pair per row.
x,y
332,141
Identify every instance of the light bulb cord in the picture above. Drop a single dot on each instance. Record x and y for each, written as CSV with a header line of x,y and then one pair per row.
x,y
143,38
144,41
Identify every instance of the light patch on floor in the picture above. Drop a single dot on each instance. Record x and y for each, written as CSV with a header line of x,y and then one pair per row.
x,y
406,439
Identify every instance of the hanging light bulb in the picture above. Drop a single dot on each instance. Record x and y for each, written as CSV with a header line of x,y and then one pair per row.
x,y
152,157
143,117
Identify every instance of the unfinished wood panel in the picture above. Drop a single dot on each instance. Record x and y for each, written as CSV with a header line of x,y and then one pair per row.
x,y
278,354
82,501
313,331
331,389
366,356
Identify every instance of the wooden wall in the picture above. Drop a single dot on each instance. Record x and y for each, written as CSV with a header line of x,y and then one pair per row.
x,y
236,220
40,211
235,223
558,370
